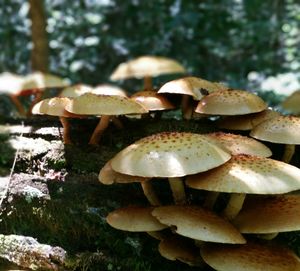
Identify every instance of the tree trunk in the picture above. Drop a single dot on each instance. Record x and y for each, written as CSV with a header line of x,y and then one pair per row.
x,y
40,51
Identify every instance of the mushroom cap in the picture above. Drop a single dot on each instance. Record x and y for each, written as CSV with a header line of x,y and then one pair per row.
x,y
106,89
179,248
198,223
169,154
108,176
146,66
238,144
134,219
249,257
269,215
292,103
192,86
281,129
151,100
10,83
230,102
92,104
39,80
53,107
75,90
248,174
246,122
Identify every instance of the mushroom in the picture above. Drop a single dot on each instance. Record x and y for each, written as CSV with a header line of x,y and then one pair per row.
x,y
245,174
230,102
291,103
146,67
75,90
246,122
170,155
250,257
108,176
198,223
134,219
180,248
194,87
106,89
282,130
56,107
104,105
269,215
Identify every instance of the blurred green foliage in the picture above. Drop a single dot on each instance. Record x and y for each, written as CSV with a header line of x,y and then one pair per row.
x,y
216,39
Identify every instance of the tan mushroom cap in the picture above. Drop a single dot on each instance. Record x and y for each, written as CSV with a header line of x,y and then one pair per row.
x,y
198,223
249,257
146,66
53,107
152,101
269,215
39,80
11,83
182,249
292,103
237,144
108,176
248,174
169,154
134,219
106,89
75,90
92,104
192,86
282,129
247,122
230,102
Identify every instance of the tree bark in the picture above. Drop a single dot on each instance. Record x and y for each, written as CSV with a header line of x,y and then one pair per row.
x,y
40,50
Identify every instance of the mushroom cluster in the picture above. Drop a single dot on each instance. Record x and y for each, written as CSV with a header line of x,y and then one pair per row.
x,y
217,163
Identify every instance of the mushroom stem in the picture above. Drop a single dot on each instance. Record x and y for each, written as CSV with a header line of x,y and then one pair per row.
x,y
18,105
150,193
147,83
234,205
37,97
157,235
177,187
186,107
288,153
268,236
66,130
210,200
100,128
117,122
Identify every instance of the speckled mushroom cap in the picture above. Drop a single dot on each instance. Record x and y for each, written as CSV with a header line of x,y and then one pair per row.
x,y
134,219
75,90
192,86
198,223
92,104
146,66
10,83
282,129
237,144
182,249
249,257
169,154
269,215
53,107
152,101
246,122
248,174
292,103
106,89
230,102
108,176
39,80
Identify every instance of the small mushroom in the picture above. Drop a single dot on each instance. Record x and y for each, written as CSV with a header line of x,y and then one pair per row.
x,y
75,90
245,174
250,257
146,67
282,130
291,103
